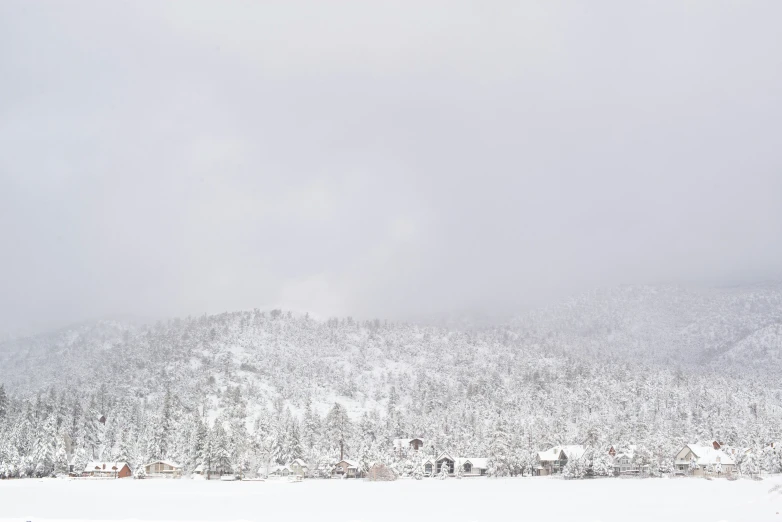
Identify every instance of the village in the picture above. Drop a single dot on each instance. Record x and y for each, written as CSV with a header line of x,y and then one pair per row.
x,y
707,459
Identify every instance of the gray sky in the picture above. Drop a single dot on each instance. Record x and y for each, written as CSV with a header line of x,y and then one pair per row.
x,y
391,160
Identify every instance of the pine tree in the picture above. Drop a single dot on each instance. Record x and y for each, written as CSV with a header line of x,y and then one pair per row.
x,y
3,403
499,460
164,429
91,430
338,429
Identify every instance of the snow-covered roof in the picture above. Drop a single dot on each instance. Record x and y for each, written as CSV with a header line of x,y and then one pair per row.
x,y
707,455
166,462
445,455
273,469
477,462
105,466
573,451
350,463
300,462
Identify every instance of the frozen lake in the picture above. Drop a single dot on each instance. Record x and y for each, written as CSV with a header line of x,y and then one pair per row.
x,y
525,499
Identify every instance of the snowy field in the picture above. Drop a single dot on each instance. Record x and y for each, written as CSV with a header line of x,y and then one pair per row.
x,y
526,499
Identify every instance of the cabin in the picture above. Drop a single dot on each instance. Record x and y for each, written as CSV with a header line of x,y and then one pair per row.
x,y
552,461
698,460
408,444
428,467
107,470
348,469
163,469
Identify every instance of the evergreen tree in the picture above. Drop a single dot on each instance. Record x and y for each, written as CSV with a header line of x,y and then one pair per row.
x,y
3,403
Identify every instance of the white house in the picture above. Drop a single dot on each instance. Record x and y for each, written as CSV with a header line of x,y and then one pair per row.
x,y
703,460
299,468
470,466
551,462
625,463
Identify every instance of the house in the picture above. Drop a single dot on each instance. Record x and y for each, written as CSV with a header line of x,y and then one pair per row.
x,y
275,471
473,466
625,463
217,471
699,460
469,466
428,466
107,470
163,468
348,469
445,460
551,462
299,468
405,444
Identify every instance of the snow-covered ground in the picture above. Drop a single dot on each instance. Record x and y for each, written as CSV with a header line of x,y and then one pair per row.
x,y
529,499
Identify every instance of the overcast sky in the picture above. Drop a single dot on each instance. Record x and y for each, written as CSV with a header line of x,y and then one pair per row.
x,y
394,160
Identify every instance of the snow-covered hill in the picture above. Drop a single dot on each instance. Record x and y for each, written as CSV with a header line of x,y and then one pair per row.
x,y
653,365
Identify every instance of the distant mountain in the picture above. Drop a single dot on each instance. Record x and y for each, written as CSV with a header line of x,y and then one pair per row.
x,y
657,323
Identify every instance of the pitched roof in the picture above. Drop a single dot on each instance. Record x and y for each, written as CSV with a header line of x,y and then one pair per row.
x,y
350,463
707,455
166,462
573,451
476,462
446,455
105,467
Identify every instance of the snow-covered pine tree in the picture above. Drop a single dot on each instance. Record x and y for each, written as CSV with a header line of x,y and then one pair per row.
x,y
499,450
3,403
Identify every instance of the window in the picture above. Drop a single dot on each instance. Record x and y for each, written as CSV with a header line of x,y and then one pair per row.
x,y
467,467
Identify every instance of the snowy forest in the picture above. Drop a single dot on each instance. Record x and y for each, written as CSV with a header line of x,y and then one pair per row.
x,y
651,366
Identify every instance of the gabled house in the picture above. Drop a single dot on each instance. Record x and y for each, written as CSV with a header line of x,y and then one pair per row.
x,y
299,468
428,466
348,469
625,463
163,468
107,470
551,462
275,471
699,460
445,460
469,466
